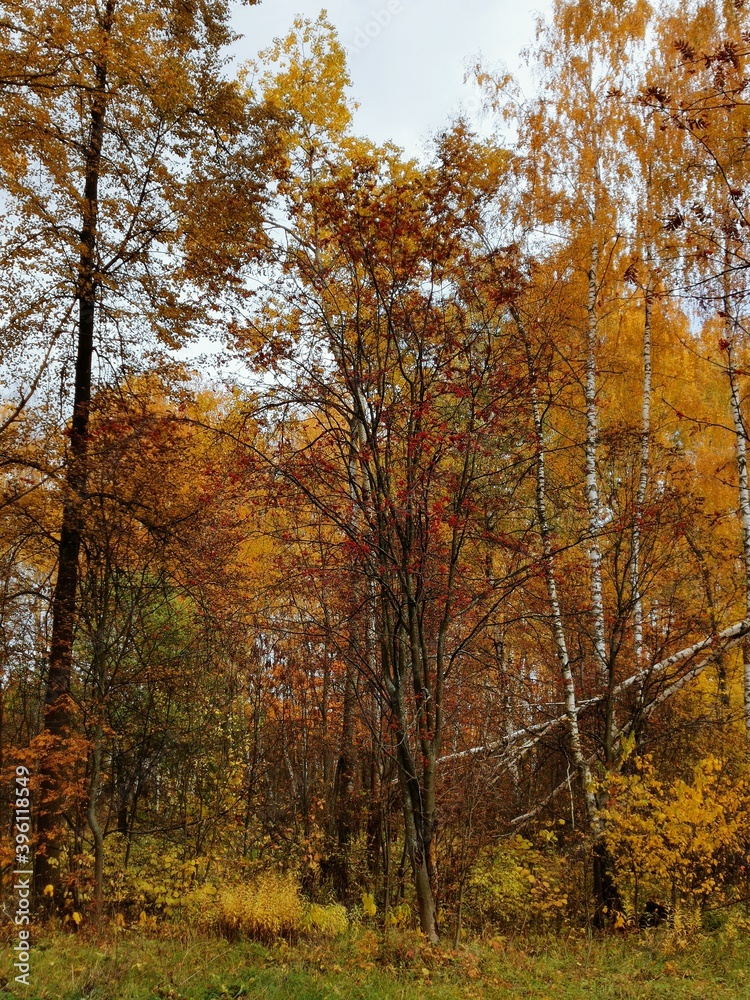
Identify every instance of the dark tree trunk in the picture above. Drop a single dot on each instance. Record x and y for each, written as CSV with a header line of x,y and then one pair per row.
x,y
94,825
58,710
607,900
343,791
418,841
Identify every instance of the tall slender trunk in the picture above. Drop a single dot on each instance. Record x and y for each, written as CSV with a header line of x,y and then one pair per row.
x,y
378,846
743,485
640,497
558,629
592,487
605,891
93,821
417,839
343,790
58,715
417,797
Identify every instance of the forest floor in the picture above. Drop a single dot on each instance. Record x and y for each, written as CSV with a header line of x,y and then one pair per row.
x,y
363,966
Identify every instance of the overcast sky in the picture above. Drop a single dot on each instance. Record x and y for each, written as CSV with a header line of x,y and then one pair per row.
x,y
407,58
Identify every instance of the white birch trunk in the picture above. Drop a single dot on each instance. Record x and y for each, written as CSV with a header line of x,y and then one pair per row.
x,y
737,632
742,476
719,644
640,498
744,501
592,487
558,631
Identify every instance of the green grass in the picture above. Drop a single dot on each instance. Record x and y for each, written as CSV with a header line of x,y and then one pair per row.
x,y
133,966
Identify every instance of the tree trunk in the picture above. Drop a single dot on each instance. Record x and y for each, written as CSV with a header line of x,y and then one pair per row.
x,y
343,789
592,487
607,900
418,851
605,892
558,630
740,440
58,712
418,801
95,827
640,498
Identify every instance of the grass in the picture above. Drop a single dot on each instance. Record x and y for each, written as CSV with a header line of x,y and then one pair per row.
x,y
134,966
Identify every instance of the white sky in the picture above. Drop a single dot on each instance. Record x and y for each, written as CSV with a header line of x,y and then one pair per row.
x,y
407,71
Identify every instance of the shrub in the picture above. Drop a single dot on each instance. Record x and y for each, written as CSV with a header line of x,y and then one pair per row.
x,y
271,907
687,839
324,921
156,882
268,908
514,882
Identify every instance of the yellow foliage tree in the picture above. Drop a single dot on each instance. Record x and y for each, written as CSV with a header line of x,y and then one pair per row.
x,y
685,842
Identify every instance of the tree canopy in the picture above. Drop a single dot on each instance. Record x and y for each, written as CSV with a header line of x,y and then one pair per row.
x,y
430,595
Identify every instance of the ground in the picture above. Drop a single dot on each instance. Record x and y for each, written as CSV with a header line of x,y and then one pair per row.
x,y
137,965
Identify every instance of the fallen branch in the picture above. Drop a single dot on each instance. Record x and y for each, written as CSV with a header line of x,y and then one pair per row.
x,y
732,636
722,642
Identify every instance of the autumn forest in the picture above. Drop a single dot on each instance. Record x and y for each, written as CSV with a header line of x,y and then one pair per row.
x,y
374,531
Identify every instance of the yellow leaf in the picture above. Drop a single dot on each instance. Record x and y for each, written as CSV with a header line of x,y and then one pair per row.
x,y
76,917
49,890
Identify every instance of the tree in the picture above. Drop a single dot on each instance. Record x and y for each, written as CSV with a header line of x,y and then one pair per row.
x,y
397,390
131,167
589,173
572,168
703,102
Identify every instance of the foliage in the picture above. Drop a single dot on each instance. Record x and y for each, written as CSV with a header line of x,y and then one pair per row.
x,y
685,840
154,882
324,920
268,908
457,521
517,884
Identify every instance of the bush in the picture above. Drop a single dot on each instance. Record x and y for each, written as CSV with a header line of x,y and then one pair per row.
x,y
686,840
514,882
268,908
155,882
324,921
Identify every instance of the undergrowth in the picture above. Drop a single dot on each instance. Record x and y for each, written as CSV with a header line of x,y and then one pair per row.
x,y
164,964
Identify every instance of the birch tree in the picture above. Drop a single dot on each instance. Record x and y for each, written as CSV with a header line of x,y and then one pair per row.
x,y
703,100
